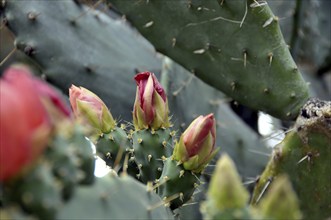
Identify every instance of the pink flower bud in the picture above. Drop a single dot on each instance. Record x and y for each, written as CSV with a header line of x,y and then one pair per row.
x,y
151,106
89,108
196,146
25,126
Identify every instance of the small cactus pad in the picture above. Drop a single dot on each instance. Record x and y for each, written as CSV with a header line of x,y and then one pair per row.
x,y
150,147
176,184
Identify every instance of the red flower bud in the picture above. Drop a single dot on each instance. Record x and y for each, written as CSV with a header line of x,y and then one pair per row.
x,y
151,106
88,107
197,144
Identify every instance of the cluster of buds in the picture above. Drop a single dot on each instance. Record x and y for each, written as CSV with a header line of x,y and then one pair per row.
x,y
27,110
196,146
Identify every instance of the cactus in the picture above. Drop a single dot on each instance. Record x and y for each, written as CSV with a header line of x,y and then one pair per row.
x,y
304,156
110,195
252,70
47,164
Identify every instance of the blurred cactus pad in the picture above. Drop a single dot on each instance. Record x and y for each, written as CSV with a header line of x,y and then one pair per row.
x,y
168,105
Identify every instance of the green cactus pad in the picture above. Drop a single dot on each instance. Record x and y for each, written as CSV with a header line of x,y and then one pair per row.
x,y
150,147
235,46
176,182
304,155
113,197
113,146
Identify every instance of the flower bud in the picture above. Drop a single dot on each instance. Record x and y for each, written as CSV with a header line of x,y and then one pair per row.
x,y
25,126
226,190
280,202
196,146
89,108
151,105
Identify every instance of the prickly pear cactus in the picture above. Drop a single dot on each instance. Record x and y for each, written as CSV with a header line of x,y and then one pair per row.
x,y
304,155
235,46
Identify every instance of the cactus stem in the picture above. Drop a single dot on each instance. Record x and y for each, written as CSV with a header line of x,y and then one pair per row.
x,y
264,189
